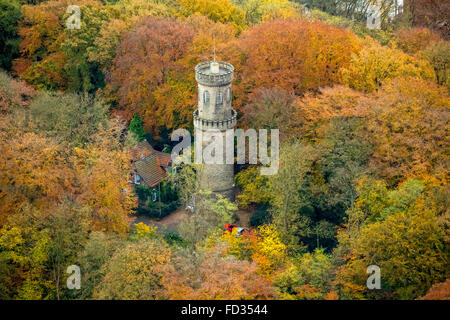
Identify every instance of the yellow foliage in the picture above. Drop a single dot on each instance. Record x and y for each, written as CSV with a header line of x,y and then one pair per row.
x,y
216,10
144,230
375,64
268,250
237,246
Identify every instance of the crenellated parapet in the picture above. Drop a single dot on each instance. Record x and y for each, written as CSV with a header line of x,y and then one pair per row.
x,y
222,125
204,76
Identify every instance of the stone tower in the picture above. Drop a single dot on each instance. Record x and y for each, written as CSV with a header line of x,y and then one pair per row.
x,y
215,112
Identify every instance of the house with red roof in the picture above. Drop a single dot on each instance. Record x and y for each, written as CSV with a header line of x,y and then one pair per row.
x,y
150,166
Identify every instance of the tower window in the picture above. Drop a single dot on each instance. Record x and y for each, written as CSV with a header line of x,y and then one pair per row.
x,y
206,98
228,94
219,99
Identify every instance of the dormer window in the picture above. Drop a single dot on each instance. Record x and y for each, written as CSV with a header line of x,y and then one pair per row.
x,y
206,98
219,99
137,179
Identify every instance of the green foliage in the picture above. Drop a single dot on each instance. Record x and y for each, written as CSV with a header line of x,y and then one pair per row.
x,y
10,14
211,212
166,200
83,75
257,11
358,27
345,150
174,239
97,251
157,210
439,57
69,118
260,216
286,198
389,228
136,128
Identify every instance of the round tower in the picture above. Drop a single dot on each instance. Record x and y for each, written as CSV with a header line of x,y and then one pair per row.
x,y
215,112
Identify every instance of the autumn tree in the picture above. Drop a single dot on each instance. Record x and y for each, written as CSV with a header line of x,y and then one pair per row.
x,y
409,129
259,11
375,63
429,13
439,57
41,62
48,49
144,61
388,230
128,14
208,275
415,40
69,118
270,109
135,272
439,291
294,55
14,93
314,111
219,10
209,32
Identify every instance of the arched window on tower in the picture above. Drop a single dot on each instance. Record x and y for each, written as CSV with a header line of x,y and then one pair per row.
x,y
228,94
219,99
206,98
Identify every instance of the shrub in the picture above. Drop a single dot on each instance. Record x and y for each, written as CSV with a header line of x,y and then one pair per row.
x,y
260,216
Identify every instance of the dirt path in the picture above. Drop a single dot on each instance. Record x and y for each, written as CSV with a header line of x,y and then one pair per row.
x,y
244,217
169,222
172,221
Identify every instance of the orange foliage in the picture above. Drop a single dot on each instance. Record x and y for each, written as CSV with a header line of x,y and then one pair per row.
x,y
295,55
308,292
219,278
410,129
14,93
146,59
339,101
39,173
439,291
417,39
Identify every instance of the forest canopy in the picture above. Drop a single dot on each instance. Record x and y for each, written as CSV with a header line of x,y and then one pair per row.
x,y
363,116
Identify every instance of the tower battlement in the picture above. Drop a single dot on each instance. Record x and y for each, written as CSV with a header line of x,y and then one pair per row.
x,y
204,124
206,77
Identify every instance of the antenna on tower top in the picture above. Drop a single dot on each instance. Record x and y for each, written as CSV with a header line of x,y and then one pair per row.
x,y
214,66
214,37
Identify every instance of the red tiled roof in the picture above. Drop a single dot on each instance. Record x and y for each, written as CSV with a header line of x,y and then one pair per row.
x,y
142,150
149,163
